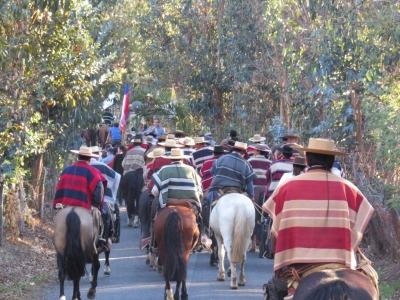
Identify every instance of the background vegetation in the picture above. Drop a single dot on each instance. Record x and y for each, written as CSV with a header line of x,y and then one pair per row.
x,y
321,68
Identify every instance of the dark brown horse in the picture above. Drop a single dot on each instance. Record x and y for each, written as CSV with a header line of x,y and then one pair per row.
x,y
90,136
176,234
74,242
338,284
102,134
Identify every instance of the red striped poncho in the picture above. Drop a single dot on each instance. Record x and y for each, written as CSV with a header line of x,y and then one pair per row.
x,y
317,218
77,185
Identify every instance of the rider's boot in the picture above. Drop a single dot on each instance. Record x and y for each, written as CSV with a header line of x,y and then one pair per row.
x,y
136,221
275,289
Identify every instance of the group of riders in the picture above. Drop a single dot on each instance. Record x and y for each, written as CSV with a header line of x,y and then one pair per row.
x,y
318,216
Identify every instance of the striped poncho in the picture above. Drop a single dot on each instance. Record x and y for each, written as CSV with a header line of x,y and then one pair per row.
x,y
317,218
231,170
113,179
177,181
77,185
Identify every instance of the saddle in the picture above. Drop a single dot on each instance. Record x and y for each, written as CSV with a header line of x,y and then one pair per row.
x,y
191,204
228,190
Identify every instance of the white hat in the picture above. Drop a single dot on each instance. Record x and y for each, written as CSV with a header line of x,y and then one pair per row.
x,y
175,154
187,141
257,138
85,151
96,149
156,153
170,143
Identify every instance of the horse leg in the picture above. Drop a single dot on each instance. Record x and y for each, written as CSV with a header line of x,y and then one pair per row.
x,y
253,242
221,256
214,254
77,294
177,288
168,295
184,294
242,280
95,269
107,270
234,284
61,274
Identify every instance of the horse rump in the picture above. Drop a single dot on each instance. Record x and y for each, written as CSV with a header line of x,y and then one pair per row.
x,y
174,264
75,259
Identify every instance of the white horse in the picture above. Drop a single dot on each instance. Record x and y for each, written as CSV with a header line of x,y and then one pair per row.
x,y
232,220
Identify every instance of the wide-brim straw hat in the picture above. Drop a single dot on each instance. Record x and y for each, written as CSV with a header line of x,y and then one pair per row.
x,y
170,143
262,148
180,132
257,138
96,149
156,153
175,154
291,135
300,160
85,151
200,140
240,145
321,146
170,136
187,141
162,138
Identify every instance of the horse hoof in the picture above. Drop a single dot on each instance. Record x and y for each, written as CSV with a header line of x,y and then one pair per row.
x,y
252,250
221,278
92,293
234,287
242,283
63,298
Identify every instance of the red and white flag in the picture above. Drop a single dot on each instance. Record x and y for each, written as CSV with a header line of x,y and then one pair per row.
x,y
125,110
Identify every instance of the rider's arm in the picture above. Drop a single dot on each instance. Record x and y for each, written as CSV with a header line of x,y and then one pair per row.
x,y
98,195
155,191
250,189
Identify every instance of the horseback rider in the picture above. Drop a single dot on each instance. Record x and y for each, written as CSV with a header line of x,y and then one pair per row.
x,y
278,168
178,181
83,185
111,208
318,220
202,153
232,171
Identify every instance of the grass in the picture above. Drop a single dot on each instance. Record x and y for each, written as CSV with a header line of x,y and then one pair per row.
x,y
387,290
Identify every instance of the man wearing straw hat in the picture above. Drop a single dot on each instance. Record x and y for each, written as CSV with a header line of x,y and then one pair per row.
x,y
203,152
134,158
257,139
260,163
178,181
318,218
233,171
82,185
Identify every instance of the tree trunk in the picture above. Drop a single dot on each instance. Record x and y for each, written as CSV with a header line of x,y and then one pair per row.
x,y
1,210
36,183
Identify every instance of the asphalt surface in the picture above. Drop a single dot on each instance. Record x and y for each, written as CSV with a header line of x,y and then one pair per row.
x,y
132,279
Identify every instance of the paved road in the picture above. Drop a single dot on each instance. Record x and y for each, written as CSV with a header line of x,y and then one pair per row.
x,y
132,279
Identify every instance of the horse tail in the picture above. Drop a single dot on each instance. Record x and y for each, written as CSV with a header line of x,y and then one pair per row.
x,y
239,237
174,265
73,253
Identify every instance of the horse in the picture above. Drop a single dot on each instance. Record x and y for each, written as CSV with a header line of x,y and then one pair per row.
x,y
176,234
73,239
131,185
232,220
335,285
102,134
145,217
90,135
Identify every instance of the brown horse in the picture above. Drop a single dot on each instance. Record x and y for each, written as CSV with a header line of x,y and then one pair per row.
x,y
102,134
176,234
336,285
90,136
74,242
